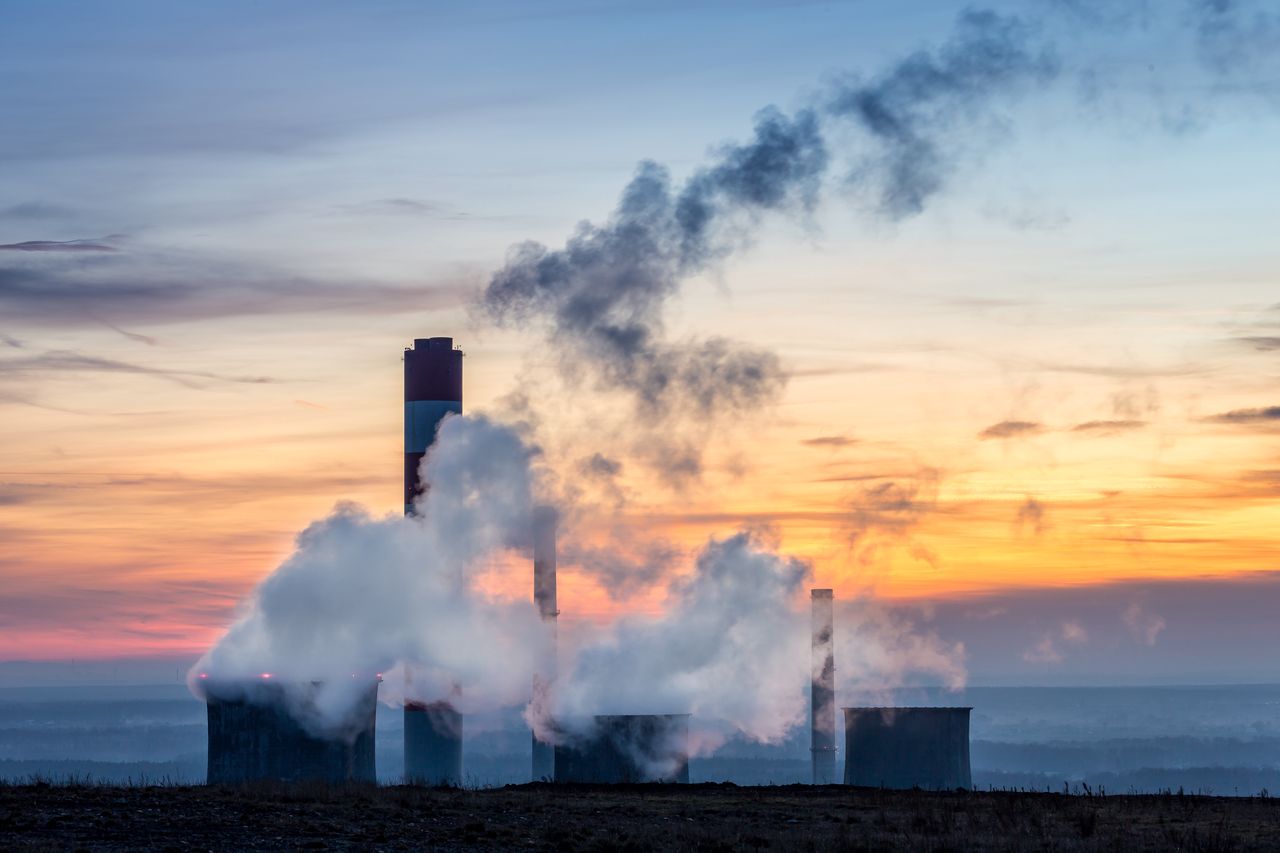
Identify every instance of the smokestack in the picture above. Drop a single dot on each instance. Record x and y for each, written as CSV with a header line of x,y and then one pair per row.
x,y
255,735
907,748
544,595
822,690
432,390
627,748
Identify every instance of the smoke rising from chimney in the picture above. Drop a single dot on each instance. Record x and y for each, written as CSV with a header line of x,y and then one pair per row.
x,y
601,299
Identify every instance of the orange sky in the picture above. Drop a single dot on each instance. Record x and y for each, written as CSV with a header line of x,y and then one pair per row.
x,y
1060,371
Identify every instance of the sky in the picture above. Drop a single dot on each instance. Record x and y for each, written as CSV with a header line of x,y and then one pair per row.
x,y
1031,407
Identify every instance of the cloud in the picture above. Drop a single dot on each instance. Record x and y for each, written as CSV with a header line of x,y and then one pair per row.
x,y
401,206
127,288
831,441
1145,627
1261,343
1073,632
1011,429
1267,416
885,516
1108,427
133,336
58,361
1031,514
1236,35
1047,649
35,210
1044,651
57,246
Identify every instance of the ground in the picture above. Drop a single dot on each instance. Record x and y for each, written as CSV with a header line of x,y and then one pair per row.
x,y
688,817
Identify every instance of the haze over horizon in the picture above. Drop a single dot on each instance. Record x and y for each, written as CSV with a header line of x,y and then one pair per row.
x,y
1024,402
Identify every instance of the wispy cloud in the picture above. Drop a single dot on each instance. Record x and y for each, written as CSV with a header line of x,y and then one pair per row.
x,y
1261,343
125,288
1031,515
1011,429
831,441
57,246
35,210
73,362
1266,416
1108,427
1143,625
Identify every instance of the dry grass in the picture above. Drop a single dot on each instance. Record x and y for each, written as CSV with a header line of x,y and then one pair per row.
x,y
726,818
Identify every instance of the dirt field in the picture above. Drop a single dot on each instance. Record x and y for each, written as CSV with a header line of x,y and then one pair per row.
x,y
694,817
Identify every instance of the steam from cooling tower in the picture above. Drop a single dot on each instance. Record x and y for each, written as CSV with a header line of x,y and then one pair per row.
x,y
362,595
729,648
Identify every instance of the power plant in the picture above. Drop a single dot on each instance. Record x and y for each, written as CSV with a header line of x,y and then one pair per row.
x,y
432,390
255,735
822,689
257,727
626,748
907,748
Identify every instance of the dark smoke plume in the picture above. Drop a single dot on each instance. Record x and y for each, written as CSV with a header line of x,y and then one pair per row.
x,y
602,297
909,109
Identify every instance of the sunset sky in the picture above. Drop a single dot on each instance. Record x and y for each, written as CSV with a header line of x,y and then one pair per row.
x,y
1040,415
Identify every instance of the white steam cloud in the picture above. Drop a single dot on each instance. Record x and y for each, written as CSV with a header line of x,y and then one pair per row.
x,y
363,595
731,649
403,597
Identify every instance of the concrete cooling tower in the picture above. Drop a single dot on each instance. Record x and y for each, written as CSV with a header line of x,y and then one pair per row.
x,y
627,748
907,748
255,736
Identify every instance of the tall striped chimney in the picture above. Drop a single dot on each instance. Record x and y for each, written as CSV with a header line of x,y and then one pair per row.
x,y
822,694
544,595
432,390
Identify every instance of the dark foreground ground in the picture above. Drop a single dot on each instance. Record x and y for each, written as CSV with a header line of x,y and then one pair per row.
x,y
694,817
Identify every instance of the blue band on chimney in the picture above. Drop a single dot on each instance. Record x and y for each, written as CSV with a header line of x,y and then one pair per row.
x,y
421,420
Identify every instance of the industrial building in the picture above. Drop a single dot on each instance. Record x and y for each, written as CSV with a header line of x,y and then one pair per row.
x,y
626,748
255,735
907,748
822,689
432,390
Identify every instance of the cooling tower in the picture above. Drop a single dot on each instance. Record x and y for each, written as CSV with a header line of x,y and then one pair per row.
x,y
255,735
822,691
432,390
626,748
544,595
432,744
907,748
